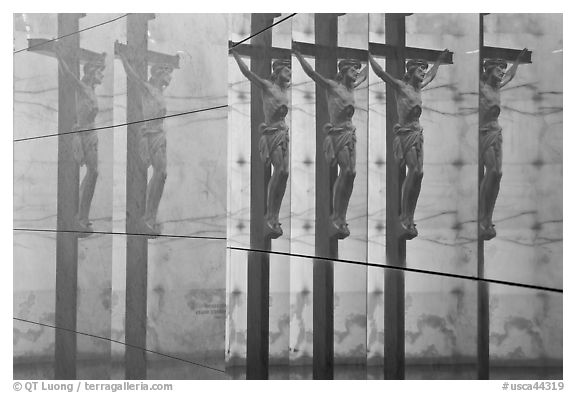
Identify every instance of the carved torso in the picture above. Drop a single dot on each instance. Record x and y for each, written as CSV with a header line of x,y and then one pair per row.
x,y
86,107
340,104
489,105
409,105
153,107
275,102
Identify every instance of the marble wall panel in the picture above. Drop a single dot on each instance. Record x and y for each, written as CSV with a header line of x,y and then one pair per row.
x,y
528,212
440,327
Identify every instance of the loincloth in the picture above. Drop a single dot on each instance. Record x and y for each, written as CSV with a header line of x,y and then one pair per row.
x,y
491,137
405,138
84,143
337,139
151,144
273,137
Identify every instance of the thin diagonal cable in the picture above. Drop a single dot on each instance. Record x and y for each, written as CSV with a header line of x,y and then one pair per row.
x,y
118,342
119,233
408,269
263,30
122,124
67,35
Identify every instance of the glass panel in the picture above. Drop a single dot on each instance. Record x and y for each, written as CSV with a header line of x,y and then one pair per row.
x,y
258,92
182,157
528,210
446,209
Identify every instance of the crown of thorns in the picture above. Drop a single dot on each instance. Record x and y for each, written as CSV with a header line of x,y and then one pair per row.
x,y
161,67
488,63
280,64
412,63
347,63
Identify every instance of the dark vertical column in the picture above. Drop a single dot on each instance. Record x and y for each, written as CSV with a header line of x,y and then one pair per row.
x,y
395,247
136,181
68,187
258,262
483,322
326,34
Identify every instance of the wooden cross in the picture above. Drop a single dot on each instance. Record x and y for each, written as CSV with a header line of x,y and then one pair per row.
x,y
396,52
67,191
483,307
136,182
261,54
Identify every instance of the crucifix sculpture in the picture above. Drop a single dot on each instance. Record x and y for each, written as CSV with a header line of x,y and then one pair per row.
x,y
408,142
146,145
151,136
339,144
274,137
84,137
494,76
78,145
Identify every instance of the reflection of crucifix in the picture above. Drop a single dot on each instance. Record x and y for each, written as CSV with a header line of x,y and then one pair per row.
x,y
489,173
136,50
261,54
71,55
396,53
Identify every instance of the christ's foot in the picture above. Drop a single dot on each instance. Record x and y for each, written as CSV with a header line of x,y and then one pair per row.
x,y
149,228
487,232
407,230
272,229
83,227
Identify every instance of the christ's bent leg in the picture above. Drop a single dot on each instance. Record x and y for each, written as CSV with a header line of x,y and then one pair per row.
x,y
156,184
343,190
411,191
277,185
489,189
88,184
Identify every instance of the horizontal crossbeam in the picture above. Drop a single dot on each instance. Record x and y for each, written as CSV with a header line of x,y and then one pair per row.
x,y
46,47
152,57
253,51
490,52
391,51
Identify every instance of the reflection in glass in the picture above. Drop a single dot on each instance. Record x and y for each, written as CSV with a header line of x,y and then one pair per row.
x,y
151,136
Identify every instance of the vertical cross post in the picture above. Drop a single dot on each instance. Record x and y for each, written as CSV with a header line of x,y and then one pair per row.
x,y
396,53
326,34
258,262
67,204
483,305
136,181
395,29
67,190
